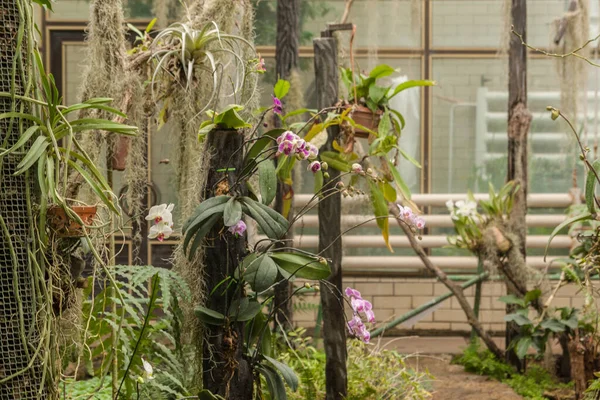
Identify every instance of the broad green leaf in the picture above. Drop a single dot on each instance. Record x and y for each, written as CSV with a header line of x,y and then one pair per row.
x,y
512,299
151,25
44,3
256,149
281,89
22,140
201,232
380,71
299,111
288,374
230,119
565,223
532,295
301,266
205,129
206,394
389,193
590,187
377,93
208,316
232,212
399,116
210,209
200,211
523,346
399,181
250,311
271,222
380,210
274,382
335,161
258,332
261,273
410,84
517,318
267,181
553,325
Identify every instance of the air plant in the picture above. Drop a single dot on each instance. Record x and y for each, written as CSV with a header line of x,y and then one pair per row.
x,y
182,51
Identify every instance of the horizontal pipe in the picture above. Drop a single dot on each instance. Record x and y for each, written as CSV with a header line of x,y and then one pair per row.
x,y
431,221
426,306
393,264
535,200
428,241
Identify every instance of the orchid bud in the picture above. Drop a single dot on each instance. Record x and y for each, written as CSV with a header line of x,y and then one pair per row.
x,y
326,175
324,166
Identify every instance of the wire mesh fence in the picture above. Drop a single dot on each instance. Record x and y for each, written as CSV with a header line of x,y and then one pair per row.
x,y
20,369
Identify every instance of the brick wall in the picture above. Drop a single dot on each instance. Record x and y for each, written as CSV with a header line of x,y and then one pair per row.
x,y
393,297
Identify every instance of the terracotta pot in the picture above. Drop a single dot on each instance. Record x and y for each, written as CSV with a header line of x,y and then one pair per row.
x,y
63,226
365,117
120,155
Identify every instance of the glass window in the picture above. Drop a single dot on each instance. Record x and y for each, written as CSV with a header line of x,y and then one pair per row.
x,y
469,142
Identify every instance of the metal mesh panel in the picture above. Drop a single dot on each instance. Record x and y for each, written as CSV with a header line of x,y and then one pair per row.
x,y
18,332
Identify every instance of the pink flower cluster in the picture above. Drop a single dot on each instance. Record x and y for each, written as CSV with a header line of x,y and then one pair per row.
x,y
359,305
277,106
407,215
291,144
238,229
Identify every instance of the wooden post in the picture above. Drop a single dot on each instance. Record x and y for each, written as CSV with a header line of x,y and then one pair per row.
x,y
286,58
519,119
224,369
334,323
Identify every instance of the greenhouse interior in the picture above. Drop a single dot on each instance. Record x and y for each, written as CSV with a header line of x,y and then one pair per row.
x,y
299,199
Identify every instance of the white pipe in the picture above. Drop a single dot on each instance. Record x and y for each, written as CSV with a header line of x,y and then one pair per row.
x,y
396,264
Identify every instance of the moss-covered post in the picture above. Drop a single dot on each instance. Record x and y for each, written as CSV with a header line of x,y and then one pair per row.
x,y
519,119
330,242
286,59
225,371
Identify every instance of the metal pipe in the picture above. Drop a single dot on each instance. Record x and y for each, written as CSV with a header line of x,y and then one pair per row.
x,y
427,305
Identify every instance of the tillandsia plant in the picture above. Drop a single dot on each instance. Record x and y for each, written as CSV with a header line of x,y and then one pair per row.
x,y
181,53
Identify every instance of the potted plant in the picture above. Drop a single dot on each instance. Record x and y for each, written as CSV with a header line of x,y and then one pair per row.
x,y
369,101
56,153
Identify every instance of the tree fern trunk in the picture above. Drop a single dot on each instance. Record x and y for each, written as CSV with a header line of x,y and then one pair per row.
x,y
226,371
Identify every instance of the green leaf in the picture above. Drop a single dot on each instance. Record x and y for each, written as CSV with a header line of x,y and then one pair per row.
x,y
258,332
553,325
377,93
208,316
151,25
207,208
318,181
532,295
288,374
299,111
261,273
271,222
249,312
202,231
251,157
411,84
230,119
205,129
409,158
232,212
44,3
389,193
512,299
590,187
267,181
94,185
301,266
380,211
565,223
517,318
335,161
35,152
380,71
523,346
399,181
274,382
206,394
24,138
281,89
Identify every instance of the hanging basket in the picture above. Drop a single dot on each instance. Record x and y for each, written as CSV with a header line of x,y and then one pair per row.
x,y
365,117
63,226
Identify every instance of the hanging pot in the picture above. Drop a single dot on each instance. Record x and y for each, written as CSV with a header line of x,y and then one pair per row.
x,y
365,117
120,154
63,226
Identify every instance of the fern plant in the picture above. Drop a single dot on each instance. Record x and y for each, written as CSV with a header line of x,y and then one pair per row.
x,y
142,334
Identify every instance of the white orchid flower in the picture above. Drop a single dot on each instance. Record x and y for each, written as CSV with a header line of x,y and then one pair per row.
x,y
160,231
161,214
148,370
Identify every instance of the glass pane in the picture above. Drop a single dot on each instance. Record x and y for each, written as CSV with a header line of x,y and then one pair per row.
x,y
481,23
79,10
469,142
371,17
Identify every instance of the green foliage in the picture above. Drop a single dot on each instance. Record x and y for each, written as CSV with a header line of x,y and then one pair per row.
x,y
373,373
157,342
228,118
82,389
530,385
